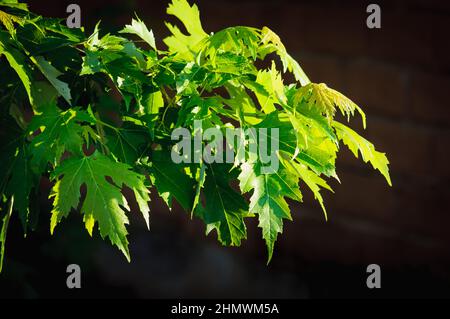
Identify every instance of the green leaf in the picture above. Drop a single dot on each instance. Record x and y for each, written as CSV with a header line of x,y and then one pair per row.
x,y
20,184
241,41
104,202
18,62
267,200
171,180
269,38
127,142
140,29
45,94
188,15
185,45
12,136
320,152
59,132
356,143
224,208
230,63
311,179
187,78
324,99
243,105
152,102
52,74
273,89
8,21
14,4
4,231
202,109
200,185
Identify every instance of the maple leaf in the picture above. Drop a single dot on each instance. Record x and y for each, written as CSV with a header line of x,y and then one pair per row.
x,y
17,61
268,199
356,143
320,152
14,4
200,184
312,180
185,45
104,200
140,29
241,102
20,184
17,178
152,103
8,21
224,209
325,99
127,142
271,40
59,132
4,230
239,40
52,74
270,90
171,180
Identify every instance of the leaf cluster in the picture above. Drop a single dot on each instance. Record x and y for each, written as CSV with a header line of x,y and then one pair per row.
x,y
97,112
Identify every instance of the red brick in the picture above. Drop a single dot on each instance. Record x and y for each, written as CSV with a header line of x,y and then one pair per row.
x,y
401,250
433,5
441,45
377,87
429,98
323,69
328,29
317,240
406,39
347,162
367,197
409,148
353,241
420,210
441,157
336,240
217,15
411,207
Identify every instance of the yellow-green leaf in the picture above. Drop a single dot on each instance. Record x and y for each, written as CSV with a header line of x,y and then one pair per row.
x,y
356,143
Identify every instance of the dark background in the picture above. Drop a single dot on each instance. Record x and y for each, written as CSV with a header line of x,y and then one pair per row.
x,y
399,74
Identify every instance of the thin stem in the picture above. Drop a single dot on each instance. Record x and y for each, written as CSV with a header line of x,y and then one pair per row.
x,y
5,230
101,132
107,125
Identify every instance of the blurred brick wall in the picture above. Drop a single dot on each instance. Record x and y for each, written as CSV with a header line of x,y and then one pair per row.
x,y
399,74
